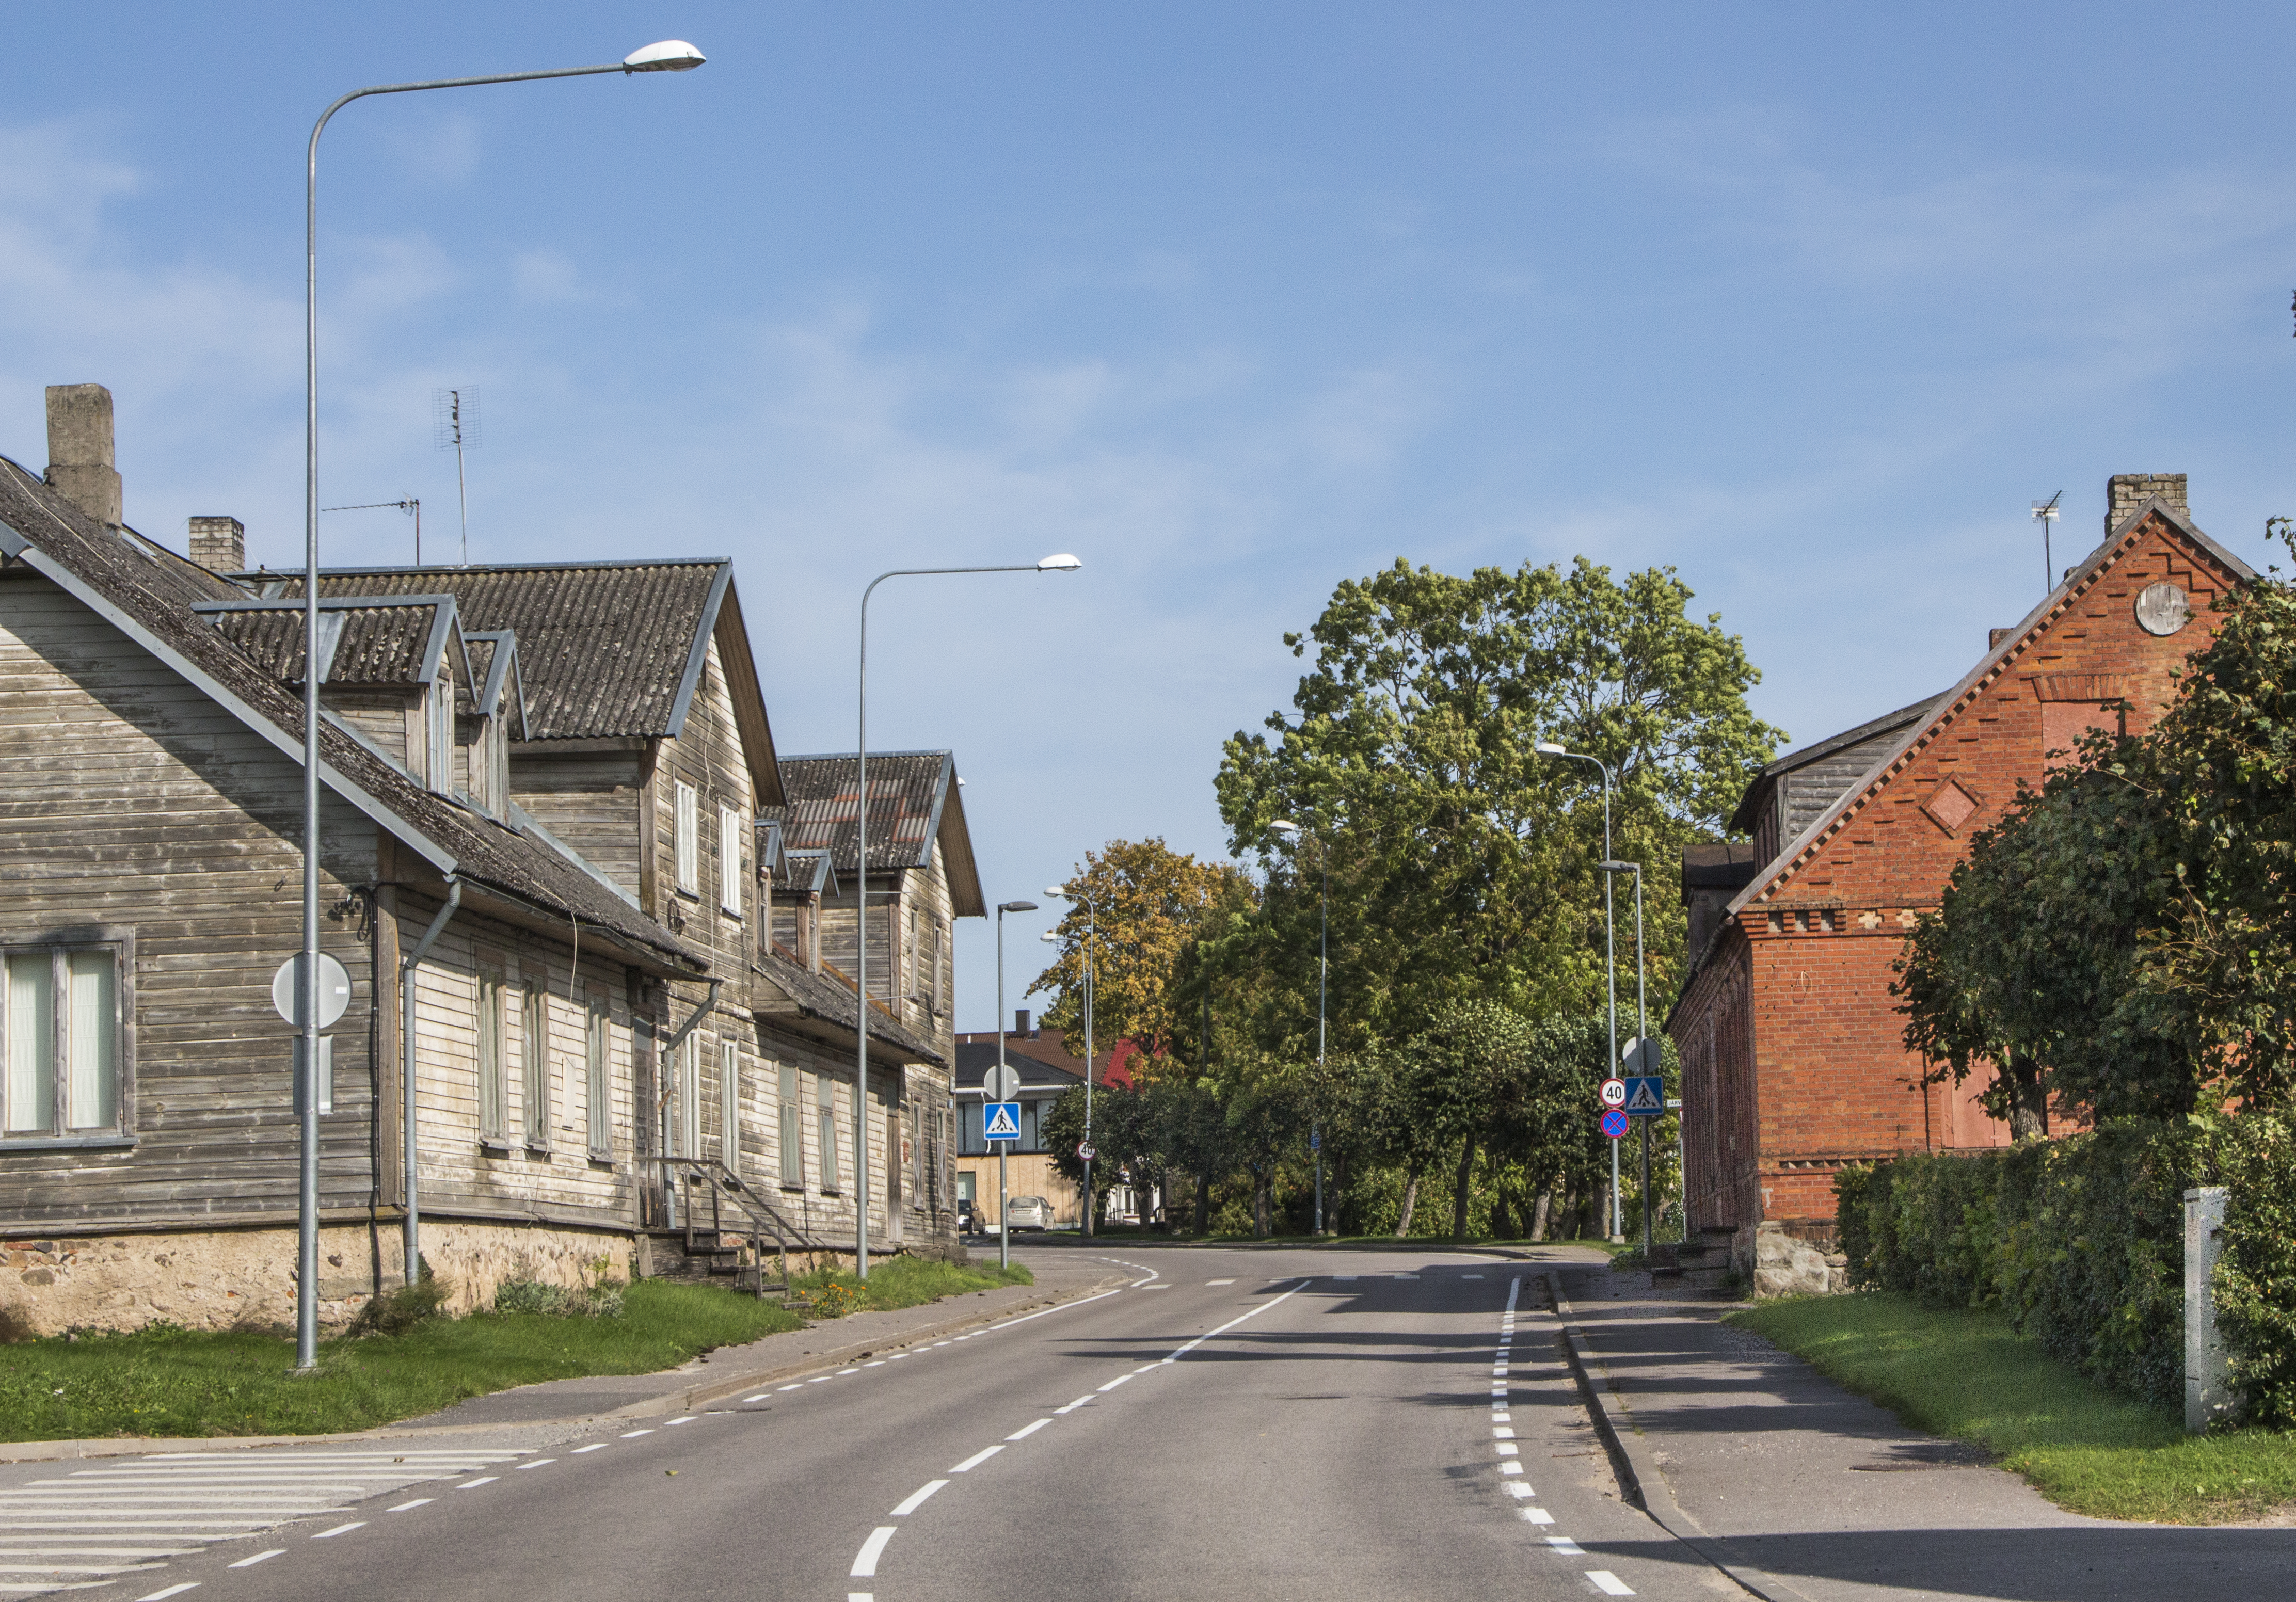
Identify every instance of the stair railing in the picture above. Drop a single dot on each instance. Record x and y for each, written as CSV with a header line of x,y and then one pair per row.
x,y
765,1219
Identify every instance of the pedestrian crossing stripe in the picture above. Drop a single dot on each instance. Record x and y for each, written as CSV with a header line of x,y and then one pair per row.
x,y
1644,1096
1002,1122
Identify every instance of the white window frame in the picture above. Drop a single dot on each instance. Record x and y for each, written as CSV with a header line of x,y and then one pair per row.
x,y
685,830
729,860
42,1066
597,1076
729,1104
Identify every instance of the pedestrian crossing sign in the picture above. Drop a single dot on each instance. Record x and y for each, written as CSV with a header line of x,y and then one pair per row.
x,y
1646,1096
1001,1121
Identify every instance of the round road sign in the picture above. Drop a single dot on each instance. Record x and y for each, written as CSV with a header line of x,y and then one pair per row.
x,y
1615,1092
1002,1083
1085,1153
334,990
1614,1124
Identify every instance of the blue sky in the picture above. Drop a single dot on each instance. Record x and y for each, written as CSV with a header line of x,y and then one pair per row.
x,y
1232,301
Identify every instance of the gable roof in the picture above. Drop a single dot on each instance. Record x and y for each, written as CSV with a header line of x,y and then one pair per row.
x,y
914,802
362,641
606,650
1950,705
1758,794
149,597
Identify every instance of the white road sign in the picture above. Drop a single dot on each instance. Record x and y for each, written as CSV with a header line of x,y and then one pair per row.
x,y
334,990
1615,1092
1002,1083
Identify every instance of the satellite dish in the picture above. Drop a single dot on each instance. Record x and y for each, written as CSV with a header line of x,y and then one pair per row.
x,y
334,990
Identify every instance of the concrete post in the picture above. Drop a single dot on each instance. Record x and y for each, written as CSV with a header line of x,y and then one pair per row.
x,y
2208,1387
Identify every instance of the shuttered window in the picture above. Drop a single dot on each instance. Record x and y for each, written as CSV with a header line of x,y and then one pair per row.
x,y
687,829
729,1105
729,859
824,1104
597,1089
535,1056
791,1117
493,1093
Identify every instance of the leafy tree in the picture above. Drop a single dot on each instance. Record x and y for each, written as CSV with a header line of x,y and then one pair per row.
x,y
1150,901
1461,862
2035,960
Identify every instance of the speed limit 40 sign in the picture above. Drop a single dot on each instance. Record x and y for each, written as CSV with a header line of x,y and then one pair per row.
x,y
1615,1092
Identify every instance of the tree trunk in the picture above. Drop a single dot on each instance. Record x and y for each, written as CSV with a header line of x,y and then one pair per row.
x,y
1203,1205
1538,1215
1459,1189
1410,1201
1260,1206
2028,1105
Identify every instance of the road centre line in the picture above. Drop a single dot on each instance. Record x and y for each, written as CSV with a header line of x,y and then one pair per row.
x,y
1566,1546
1026,1430
1232,1323
864,1564
357,1523
174,1590
487,1479
917,1498
1608,1584
248,1563
594,1446
1538,1515
1118,1380
977,1459
632,1434
420,1501
537,1463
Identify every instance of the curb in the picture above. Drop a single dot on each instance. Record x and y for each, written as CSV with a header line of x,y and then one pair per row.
x,y
692,1396
1640,1479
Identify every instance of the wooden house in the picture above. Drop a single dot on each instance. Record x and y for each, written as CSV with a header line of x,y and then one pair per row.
x,y
541,866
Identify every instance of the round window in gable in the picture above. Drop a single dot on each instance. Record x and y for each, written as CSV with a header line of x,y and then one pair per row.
x,y
2163,609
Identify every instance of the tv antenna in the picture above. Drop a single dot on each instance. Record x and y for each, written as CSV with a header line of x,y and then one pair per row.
x,y
410,505
455,426
2044,513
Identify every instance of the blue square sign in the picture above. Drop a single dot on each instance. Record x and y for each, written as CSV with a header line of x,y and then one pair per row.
x,y
1646,1096
1000,1121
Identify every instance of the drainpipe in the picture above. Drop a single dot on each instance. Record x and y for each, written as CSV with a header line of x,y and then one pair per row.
x,y
406,967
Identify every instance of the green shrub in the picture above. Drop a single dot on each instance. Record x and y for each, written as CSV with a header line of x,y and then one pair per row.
x,y
599,1301
398,1310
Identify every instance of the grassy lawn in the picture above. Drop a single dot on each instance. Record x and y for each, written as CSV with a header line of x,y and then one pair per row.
x,y
1968,1373
905,1282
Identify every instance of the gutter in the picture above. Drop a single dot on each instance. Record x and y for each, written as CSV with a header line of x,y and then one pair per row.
x,y
407,966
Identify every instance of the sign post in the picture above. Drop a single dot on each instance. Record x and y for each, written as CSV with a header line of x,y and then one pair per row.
x,y
1000,1121
1644,1102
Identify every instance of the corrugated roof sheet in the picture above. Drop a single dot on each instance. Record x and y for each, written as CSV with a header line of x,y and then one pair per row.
x,y
905,802
605,649
377,645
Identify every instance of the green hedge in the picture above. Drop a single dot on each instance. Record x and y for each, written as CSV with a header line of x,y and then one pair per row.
x,y
2079,1242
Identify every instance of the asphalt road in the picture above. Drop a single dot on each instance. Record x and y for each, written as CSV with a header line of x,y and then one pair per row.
x,y
1230,1424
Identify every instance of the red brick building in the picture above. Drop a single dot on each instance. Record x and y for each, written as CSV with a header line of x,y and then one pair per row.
x,y
1791,1057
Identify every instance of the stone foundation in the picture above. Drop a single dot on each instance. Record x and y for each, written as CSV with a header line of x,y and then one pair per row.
x,y
245,1278
1778,1262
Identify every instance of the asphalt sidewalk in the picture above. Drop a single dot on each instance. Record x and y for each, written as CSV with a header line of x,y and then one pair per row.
x,y
1060,1277
1803,1493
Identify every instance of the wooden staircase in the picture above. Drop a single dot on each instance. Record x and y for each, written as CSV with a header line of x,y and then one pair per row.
x,y
747,1243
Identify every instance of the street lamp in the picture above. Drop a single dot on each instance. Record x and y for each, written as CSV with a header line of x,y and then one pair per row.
x,y
670,55
1004,1224
1285,826
1061,563
1091,953
1547,748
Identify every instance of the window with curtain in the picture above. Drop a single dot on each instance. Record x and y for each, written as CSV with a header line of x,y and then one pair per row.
x,y
61,1025
597,1090
790,1116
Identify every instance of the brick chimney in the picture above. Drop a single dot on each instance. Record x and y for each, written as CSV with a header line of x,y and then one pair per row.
x,y
219,544
2124,493
79,449
1020,1022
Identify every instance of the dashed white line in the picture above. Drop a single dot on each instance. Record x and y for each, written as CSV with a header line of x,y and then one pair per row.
x,y
818,1379
537,1463
896,1357
357,1523
1566,1546
793,1385
1118,1380
1518,1488
1506,1448
173,1591
248,1563
917,1498
864,1564
1026,1430
1500,1431
760,1396
1510,1468
873,1363
484,1479
976,1459
1538,1515
594,1446
1073,1406
1219,1282
841,1373
689,1419
420,1501
632,1434
1608,1584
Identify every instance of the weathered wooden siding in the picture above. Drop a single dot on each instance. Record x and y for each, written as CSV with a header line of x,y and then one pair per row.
x,y
380,715
132,799
588,798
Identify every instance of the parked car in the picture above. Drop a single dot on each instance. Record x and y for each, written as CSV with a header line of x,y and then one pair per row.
x,y
1028,1213
968,1221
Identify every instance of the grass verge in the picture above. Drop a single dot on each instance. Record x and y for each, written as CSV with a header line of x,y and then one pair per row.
x,y
165,1381
902,1281
1967,1374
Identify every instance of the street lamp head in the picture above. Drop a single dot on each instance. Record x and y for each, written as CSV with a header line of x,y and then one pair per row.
x,y
670,55
1056,892
1547,748
1016,906
1050,936
1062,563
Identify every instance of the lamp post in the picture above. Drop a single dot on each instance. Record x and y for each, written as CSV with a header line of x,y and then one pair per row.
x,y
1004,1224
670,55
1091,953
1323,984
1609,960
1062,563
1642,1032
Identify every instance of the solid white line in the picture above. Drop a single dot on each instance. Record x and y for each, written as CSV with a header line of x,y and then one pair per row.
x,y
1538,1515
537,1463
1232,1323
594,1446
482,1480
1608,1584
864,1566
248,1563
1565,1545
1026,1430
1515,1289
917,1498
1118,1380
420,1501
173,1591
1144,1367
1041,1314
976,1459
357,1523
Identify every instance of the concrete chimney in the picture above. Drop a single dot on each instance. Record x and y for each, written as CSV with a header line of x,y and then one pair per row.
x,y
80,465
2124,493
1020,1020
219,544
